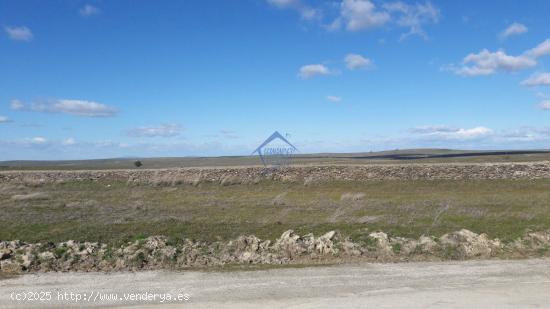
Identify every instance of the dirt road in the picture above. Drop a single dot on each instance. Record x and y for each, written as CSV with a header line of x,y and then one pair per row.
x,y
473,284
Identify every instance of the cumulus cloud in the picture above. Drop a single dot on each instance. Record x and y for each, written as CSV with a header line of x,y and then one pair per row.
x,y
4,119
333,98
19,33
164,130
540,79
306,12
513,29
360,15
311,70
357,15
446,132
355,61
89,10
545,105
414,16
65,106
487,63
540,50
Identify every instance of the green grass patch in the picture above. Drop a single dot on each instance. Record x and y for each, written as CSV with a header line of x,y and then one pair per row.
x,y
115,212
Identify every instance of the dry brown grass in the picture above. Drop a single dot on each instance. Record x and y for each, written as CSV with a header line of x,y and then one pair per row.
x,y
30,196
115,210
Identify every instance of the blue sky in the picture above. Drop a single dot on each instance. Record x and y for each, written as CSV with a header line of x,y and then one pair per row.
x,y
95,79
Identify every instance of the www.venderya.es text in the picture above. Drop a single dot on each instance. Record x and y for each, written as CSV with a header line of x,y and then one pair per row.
x,y
95,296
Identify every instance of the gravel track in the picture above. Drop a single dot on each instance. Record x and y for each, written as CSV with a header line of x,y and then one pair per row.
x,y
470,284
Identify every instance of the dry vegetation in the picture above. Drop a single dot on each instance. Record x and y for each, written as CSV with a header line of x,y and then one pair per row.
x,y
115,211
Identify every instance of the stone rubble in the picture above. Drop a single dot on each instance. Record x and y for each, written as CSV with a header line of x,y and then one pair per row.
x,y
306,175
157,252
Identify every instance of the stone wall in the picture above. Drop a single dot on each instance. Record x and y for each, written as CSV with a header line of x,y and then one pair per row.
x,y
304,174
301,174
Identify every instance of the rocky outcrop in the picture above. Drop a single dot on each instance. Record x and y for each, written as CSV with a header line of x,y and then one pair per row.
x,y
306,175
157,252
467,244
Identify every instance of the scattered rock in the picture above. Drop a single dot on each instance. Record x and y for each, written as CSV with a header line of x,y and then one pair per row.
x,y
290,244
469,244
383,246
324,244
279,200
352,197
368,219
155,253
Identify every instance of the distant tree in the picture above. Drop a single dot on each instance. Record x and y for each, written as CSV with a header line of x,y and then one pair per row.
x,y
138,163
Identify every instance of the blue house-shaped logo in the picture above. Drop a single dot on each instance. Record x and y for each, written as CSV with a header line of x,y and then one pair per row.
x,y
276,150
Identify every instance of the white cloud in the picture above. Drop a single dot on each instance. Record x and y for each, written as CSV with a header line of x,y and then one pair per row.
x,y
81,108
69,142
518,135
414,16
446,132
66,106
89,10
433,129
513,29
17,105
355,61
540,79
164,130
19,33
333,98
311,70
545,105
486,63
306,12
360,15
469,133
4,119
38,140
540,50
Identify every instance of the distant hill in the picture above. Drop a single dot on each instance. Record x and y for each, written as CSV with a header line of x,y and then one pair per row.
x,y
390,156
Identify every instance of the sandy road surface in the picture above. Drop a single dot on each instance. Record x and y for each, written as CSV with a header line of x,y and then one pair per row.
x,y
474,284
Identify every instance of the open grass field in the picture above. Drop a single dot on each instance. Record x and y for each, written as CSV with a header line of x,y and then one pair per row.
x,y
112,212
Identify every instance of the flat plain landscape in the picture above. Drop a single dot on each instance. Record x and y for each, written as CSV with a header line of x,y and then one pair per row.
x,y
405,156
213,207
110,210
